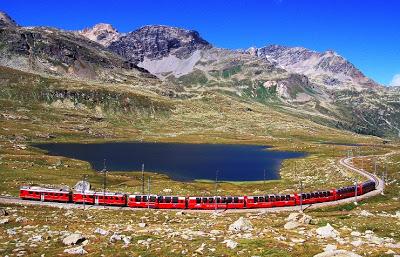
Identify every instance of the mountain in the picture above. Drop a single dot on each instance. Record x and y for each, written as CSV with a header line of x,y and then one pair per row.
x,y
152,42
102,33
57,52
6,21
328,68
177,63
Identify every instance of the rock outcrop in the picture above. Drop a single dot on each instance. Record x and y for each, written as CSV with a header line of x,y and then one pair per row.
x,y
102,33
158,41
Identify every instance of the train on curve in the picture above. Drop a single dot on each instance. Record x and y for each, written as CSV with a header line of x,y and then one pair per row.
x,y
192,202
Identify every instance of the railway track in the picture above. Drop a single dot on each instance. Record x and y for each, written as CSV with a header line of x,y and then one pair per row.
x,y
346,162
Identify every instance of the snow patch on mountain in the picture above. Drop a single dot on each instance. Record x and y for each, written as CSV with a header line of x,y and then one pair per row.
x,y
171,65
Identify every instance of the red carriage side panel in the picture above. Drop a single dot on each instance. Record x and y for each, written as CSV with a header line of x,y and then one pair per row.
x,y
87,197
171,202
142,201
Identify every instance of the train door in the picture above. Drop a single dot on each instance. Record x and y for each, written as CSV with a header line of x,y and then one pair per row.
x,y
96,200
42,197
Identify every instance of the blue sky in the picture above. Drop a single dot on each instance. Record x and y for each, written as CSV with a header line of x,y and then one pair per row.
x,y
366,32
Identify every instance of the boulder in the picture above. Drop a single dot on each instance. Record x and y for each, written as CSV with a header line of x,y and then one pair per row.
x,y
337,253
101,231
3,212
73,239
241,224
142,224
115,237
366,213
126,240
76,250
327,231
299,217
37,238
200,249
4,221
330,248
291,225
230,243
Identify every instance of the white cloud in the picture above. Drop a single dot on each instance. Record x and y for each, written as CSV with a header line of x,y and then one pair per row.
x,y
395,81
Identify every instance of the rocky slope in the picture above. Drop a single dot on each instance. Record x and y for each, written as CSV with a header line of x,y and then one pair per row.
x,y
327,68
60,53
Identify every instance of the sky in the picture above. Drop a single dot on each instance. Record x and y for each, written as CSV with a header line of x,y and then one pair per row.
x,y
365,32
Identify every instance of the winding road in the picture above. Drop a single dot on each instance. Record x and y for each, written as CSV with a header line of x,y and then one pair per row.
x,y
346,162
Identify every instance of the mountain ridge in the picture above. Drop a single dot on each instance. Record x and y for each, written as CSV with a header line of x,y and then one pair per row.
x,y
324,87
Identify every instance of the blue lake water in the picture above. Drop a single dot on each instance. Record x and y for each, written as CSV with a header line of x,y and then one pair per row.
x,y
182,162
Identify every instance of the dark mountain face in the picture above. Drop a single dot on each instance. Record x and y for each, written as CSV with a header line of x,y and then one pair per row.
x,y
158,41
6,21
57,52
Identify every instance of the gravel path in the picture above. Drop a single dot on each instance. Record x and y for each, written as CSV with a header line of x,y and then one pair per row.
x,y
346,162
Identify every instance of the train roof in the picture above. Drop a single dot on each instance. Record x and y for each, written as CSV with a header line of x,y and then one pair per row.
x,y
44,189
130,196
99,193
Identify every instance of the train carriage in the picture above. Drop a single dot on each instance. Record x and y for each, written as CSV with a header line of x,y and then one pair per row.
x,y
367,187
109,198
269,201
346,192
142,201
87,197
45,194
171,202
216,202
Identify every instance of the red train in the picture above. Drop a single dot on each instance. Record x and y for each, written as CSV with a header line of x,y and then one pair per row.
x,y
193,202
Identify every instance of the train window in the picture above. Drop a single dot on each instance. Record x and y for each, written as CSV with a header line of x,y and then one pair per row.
x,y
174,199
261,199
236,199
312,195
255,199
223,200
218,200
137,198
272,198
229,199
152,199
144,198
210,200
160,199
287,197
204,200
308,196
198,200
168,199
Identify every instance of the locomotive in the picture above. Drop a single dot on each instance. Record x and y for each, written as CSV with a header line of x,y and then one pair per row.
x,y
192,202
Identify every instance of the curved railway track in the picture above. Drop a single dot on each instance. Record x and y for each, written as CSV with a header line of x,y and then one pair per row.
x,y
346,162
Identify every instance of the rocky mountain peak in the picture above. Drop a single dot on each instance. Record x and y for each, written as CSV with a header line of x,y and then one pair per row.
x,y
6,20
158,41
327,68
102,33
